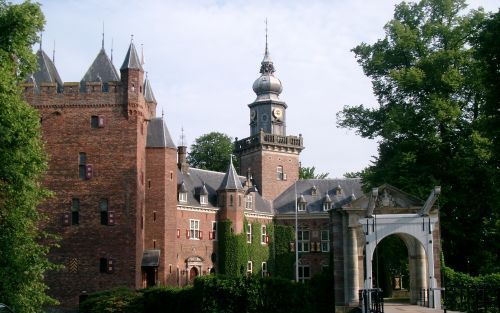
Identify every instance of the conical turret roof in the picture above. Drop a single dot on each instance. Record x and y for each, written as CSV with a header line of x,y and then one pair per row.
x,y
148,92
158,134
102,69
47,72
132,60
231,179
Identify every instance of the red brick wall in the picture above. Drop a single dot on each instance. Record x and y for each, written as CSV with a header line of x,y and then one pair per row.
x,y
263,165
116,153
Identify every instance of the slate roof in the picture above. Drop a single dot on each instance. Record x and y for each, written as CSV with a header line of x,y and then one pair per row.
x,y
231,180
47,72
148,92
196,179
101,70
131,59
158,134
350,189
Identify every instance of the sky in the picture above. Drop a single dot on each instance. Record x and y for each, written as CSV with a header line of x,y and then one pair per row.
x,y
202,58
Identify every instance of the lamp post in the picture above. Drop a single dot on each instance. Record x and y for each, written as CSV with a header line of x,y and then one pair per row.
x,y
296,237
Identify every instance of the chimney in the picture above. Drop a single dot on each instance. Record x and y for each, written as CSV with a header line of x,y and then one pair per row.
x,y
181,159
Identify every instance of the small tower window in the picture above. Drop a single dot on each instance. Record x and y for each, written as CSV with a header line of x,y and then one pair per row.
x,y
249,233
279,172
248,202
263,234
103,207
82,165
75,211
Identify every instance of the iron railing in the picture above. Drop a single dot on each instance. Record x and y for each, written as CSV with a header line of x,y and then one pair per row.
x,y
371,300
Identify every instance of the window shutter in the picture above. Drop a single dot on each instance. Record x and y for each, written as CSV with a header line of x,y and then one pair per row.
x,y
111,218
267,239
187,233
292,246
178,233
88,171
110,267
101,122
65,219
210,237
200,236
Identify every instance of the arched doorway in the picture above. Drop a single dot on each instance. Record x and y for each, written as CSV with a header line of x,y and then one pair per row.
x,y
193,272
399,262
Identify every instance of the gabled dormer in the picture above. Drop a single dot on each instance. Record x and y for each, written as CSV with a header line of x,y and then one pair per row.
x,y
182,194
203,194
327,202
301,204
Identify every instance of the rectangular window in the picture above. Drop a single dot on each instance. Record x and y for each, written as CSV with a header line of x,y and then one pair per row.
x,y
194,229
279,172
304,273
82,165
249,233
301,206
103,264
75,211
103,208
214,230
94,121
326,206
183,197
203,199
248,202
325,241
303,240
249,268
264,269
263,234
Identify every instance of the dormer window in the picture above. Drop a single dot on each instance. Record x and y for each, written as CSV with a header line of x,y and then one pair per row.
x,y
301,204
326,206
248,202
183,197
314,191
203,200
338,191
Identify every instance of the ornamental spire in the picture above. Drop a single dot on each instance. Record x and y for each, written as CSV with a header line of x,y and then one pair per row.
x,y
267,66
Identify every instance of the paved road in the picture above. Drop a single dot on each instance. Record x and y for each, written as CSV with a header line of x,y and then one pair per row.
x,y
407,308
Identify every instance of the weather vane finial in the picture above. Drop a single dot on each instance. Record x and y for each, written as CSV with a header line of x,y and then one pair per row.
x,y
266,35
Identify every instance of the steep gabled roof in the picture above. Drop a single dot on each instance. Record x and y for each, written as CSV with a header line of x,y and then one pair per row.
x,y
47,72
158,134
101,70
131,59
231,180
148,92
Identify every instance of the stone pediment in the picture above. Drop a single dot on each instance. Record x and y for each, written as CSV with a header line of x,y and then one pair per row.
x,y
389,199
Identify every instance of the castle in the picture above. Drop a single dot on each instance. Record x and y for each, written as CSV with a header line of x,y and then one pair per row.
x,y
131,211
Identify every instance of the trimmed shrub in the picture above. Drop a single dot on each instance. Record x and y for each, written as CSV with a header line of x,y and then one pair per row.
x,y
120,300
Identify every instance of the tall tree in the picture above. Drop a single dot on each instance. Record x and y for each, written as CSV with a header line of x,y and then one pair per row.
x,y
212,151
23,260
426,80
310,173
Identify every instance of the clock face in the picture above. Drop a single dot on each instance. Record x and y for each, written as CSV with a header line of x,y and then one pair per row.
x,y
277,113
253,115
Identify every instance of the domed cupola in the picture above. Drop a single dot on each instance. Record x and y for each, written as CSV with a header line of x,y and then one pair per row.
x,y
267,86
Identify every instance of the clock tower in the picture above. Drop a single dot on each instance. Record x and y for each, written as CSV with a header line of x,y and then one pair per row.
x,y
269,154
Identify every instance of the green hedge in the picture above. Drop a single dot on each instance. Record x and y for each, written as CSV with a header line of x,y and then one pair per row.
x,y
219,294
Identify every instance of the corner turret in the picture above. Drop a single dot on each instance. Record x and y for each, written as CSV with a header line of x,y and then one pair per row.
x,y
231,195
132,75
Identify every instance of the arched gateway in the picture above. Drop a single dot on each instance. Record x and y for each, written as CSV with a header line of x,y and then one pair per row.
x,y
360,226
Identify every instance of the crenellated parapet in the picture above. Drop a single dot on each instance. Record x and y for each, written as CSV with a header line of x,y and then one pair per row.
x,y
268,141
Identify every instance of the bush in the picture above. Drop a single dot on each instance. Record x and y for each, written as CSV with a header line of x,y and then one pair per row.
x,y
171,299
120,300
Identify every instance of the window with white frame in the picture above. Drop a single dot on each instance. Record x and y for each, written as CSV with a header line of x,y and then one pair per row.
x,y
304,273
263,234
194,229
303,240
325,241
248,202
279,172
301,206
264,269
183,196
249,233
203,199
214,230
249,267
326,206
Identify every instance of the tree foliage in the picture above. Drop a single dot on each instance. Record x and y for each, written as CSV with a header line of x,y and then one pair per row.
x,y
211,151
310,173
23,260
427,78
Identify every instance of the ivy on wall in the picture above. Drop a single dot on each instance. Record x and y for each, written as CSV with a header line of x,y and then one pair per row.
x,y
234,250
